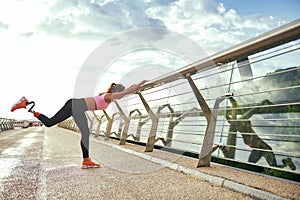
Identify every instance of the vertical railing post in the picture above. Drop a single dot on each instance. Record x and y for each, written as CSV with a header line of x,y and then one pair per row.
x,y
91,120
152,134
126,127
99,119
121,124
205,154
172,124
138,134
139,128
11,124
5,125
175,122
109,125
1,124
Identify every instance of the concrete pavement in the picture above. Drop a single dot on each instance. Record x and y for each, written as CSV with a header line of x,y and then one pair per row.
x,y
45,163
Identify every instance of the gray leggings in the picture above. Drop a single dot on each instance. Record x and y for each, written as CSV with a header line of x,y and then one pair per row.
x,y
75,108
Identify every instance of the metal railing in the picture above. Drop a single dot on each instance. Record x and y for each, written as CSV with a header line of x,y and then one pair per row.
x,y
6,124
245,107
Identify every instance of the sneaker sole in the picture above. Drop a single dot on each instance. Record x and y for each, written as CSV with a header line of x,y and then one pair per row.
x,y
88,167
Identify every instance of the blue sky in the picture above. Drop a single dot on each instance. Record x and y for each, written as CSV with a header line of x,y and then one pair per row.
x,y
282,9
45,43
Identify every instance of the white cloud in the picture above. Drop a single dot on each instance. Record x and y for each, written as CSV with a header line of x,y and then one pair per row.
x,y
213,26
98,20
44,43
221,8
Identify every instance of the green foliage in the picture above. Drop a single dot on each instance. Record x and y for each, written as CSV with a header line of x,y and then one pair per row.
x,y
282,174
284,77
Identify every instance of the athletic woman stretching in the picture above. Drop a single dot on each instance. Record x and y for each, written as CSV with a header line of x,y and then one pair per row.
x,y
76,108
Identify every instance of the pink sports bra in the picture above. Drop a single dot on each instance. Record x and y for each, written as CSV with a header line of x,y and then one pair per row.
x,y
100,102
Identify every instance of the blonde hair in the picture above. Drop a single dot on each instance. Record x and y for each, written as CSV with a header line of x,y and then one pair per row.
x,y
114,88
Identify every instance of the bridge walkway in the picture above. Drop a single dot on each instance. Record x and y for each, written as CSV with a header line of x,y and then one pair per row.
x,y
44,163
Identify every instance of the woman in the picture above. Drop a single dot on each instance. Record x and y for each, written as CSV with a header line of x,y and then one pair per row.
x,y
76,108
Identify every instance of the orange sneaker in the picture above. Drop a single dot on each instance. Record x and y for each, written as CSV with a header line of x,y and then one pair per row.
x,y
22,103
89,164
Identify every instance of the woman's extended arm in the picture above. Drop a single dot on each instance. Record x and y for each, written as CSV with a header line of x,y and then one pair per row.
x,y
130,90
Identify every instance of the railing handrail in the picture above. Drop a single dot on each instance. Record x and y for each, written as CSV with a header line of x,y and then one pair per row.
x,y
276,37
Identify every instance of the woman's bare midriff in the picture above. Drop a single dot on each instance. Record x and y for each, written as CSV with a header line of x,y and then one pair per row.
x,y
90,103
